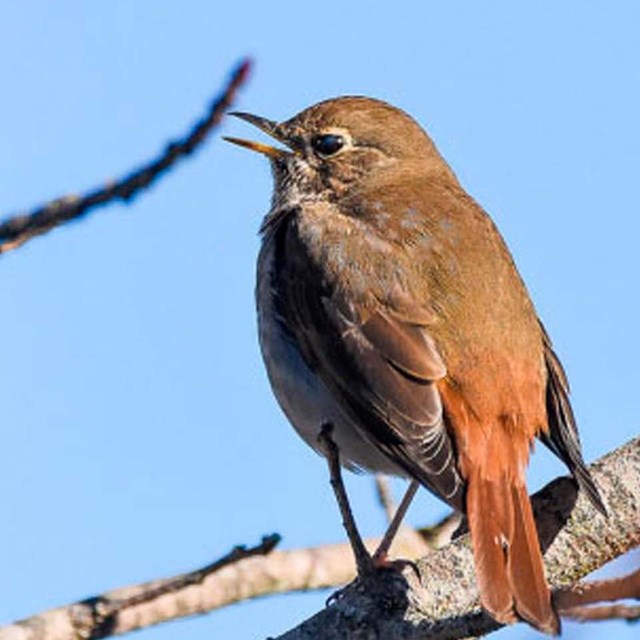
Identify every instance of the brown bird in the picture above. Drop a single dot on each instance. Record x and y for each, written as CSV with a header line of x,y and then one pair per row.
x,y
394,324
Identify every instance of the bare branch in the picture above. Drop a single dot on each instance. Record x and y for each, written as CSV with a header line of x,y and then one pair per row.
x,y
18,229
445,605
573,602
95,617
606,612
600,591
251,576
383,493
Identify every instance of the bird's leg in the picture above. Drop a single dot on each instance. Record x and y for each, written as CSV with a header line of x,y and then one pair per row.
x,y
363,560
380,556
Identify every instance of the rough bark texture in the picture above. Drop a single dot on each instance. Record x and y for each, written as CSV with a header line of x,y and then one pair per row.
x,y
443,605
279,572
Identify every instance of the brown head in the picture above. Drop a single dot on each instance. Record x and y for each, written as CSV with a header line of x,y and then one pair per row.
x,y
338,142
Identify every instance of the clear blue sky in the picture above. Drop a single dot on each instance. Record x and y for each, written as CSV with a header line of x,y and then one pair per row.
x,y
139,434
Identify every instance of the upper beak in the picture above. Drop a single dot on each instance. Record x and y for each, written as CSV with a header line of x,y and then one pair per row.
x,y
268,126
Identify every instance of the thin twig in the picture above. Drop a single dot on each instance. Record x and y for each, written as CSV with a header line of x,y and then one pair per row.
x,y
383,491
440,534
18,229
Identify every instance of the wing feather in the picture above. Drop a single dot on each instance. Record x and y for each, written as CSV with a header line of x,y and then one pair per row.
x,y
381,368
563,438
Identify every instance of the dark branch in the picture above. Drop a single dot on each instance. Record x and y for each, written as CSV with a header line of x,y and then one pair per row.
x,y
18,229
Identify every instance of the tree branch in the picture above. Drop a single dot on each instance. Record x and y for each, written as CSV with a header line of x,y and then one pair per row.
x,y
603,613
444,606
599,591
574,602
96,617
250,576
17,230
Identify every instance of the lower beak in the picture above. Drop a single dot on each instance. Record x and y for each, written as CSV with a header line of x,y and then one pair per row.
x,y
265,149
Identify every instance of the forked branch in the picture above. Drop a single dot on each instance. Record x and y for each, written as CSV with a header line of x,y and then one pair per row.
x,y
443,606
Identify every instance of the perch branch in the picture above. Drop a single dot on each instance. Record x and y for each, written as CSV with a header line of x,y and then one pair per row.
x,y
444,604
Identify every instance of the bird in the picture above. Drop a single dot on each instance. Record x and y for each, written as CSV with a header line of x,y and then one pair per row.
x,y
399,337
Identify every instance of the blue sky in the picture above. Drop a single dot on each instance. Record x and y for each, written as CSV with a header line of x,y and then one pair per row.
x,y
140,436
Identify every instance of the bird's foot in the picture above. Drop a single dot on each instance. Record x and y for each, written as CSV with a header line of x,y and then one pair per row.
x,y
399,565
370,571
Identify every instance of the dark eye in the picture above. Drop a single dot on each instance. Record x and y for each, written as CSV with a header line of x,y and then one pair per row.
x,y
327,144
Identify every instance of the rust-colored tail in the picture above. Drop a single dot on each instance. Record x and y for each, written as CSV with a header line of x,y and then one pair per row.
x,y
507,552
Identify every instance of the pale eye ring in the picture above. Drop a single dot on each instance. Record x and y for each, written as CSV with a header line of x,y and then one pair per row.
x,y
327,144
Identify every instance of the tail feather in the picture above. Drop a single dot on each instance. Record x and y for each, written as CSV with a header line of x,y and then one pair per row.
x,y
507,553
526,570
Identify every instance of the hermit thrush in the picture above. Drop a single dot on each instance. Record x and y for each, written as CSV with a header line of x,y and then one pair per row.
x,y
392,315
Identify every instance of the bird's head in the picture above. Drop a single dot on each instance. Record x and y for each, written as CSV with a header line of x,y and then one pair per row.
x,y
338,144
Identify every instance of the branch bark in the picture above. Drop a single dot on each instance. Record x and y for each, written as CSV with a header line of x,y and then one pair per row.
x,y
17,230
444,605
576,603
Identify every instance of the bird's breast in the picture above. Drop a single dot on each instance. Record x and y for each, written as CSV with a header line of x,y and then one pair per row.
x,y
299,389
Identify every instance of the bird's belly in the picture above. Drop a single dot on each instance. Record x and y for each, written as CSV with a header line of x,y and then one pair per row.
x,y
305,399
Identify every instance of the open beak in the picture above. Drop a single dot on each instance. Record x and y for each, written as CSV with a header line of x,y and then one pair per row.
x,y
269,127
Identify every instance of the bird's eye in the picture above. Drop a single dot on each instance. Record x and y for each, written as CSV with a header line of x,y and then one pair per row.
x,y
327,144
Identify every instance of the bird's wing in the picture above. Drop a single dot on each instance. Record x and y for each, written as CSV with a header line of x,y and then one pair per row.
x,y
563,438
383,370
